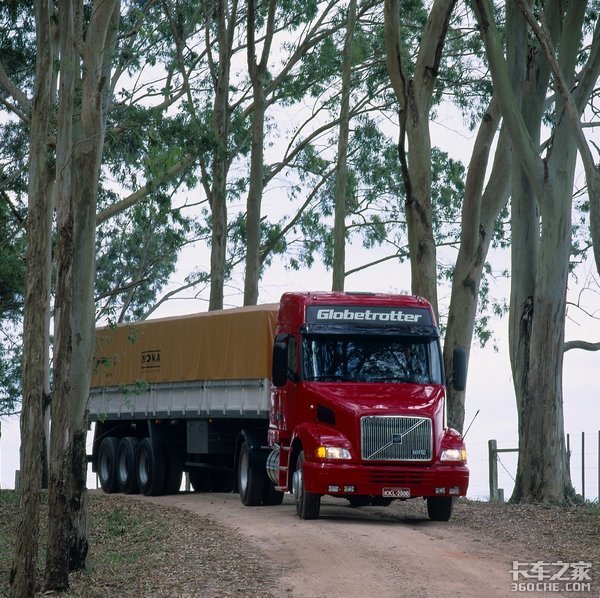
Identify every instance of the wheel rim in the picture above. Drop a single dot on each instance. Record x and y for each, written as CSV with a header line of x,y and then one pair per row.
x,y
297,484
243,471
123,469
143,469
103,468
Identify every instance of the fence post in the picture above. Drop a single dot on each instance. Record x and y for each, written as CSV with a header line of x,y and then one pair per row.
x,y
583,466
493,464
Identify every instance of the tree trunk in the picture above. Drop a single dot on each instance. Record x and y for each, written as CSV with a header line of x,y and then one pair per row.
x,y
415,96
37,312
79,156
538,294
257,72
341,167
221,159
479,213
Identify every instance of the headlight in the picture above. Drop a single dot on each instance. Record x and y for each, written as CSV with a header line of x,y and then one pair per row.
x,y
454,455
332,452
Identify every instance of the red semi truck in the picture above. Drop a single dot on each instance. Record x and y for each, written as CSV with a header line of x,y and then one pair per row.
x,y
325,393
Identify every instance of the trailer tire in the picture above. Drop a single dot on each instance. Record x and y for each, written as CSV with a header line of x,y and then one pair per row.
x,y
107,464
250,481
150,467
439,508
308,504
126,472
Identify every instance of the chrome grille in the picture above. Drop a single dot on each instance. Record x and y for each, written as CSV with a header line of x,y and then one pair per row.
x,y
395,438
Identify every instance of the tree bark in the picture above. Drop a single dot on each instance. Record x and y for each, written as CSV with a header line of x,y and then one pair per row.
x,y
220,158
257,72
341,167
37,311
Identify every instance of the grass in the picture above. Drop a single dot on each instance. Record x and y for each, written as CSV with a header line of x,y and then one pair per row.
x,y
138,548
127,538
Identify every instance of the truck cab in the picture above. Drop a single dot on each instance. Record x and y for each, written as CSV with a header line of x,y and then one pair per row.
x,y
358,403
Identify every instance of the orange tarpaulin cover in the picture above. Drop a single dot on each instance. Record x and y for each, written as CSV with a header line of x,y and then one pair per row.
x,y
219,345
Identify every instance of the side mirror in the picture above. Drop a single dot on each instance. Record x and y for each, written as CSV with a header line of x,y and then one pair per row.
x,y
459,368
280,363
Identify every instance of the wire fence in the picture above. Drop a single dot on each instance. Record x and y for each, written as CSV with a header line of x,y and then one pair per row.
x,y
580,462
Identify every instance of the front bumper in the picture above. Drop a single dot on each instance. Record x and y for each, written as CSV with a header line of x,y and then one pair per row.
x,y
371,480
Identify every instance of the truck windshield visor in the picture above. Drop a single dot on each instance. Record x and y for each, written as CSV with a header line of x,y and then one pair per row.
x,y
367,358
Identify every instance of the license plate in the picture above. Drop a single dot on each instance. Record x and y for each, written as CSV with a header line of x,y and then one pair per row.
x,y
396,493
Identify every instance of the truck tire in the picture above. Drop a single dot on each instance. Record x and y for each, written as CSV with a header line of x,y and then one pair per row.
x,y
150,467
308,504
126,474
107,464
174,456
439,508
250,481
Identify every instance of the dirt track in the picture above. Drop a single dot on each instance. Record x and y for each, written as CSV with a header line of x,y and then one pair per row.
x,y
370,551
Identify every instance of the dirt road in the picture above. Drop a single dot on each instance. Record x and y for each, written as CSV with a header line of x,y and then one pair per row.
x,y
382,552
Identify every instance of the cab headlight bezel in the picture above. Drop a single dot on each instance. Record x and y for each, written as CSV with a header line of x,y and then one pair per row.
x,y
454,455
333,453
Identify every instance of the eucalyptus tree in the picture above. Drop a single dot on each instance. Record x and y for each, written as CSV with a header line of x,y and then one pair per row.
x,y
341,170
37,289
86,49
541,222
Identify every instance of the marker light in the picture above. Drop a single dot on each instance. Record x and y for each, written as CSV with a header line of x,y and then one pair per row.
x,y
332,452
454,455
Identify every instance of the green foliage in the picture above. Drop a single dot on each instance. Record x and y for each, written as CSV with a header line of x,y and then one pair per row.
x,y
136,254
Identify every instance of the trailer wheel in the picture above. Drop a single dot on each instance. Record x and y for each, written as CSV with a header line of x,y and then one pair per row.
x,y
250,481
439,508
308,504
150,468
126,475
107,464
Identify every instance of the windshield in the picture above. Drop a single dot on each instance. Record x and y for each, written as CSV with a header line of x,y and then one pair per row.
x,y
368,358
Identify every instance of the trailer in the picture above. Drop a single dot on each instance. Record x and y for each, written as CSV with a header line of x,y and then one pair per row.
x,y
338,394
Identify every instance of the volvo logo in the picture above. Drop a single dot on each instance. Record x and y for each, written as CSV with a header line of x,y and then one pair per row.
x,y
396,438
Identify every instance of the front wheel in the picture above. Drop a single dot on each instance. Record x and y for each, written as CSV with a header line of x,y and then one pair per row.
x,y
308,504
439,508
251,482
